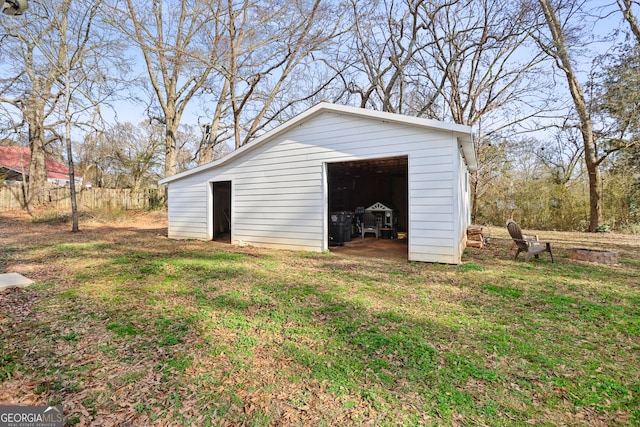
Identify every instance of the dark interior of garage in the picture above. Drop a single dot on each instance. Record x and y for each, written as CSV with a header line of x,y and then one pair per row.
x,y
222,211
363,183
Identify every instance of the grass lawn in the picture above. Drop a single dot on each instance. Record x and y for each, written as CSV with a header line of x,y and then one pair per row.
x,y
127,327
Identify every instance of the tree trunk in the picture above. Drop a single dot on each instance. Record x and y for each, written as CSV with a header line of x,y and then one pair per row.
x,y
206,155
37,165
72,180
178,61
72,175
563,60
474,196
595,180
171,146
206,152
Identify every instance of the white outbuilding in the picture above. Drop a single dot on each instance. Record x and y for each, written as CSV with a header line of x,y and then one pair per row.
x,y
279,190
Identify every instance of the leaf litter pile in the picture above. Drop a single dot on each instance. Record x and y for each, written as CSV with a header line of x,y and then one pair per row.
x,y
126,327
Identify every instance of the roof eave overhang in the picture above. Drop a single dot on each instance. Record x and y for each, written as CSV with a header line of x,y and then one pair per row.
x,y
468,147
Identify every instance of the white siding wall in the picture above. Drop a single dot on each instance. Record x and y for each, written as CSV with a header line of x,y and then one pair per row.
x,y
279,194
463,206
188,202
431,200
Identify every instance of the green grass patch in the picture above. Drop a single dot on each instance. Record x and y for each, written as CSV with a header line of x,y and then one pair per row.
x,y
123,329
629,261
503,291
7,366
171,331
177,364
470,266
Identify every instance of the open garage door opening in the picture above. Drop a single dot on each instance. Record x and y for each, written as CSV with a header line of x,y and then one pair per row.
x,y
357,185
221,211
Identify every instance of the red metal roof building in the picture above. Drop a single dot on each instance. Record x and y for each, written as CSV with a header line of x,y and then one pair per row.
x,y
14,161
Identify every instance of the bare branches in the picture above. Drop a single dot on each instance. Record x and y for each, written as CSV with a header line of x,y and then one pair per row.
x,y
177,62
385,40
626,7
269,44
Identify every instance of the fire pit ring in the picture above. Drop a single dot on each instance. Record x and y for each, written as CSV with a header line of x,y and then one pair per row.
x,y
594,255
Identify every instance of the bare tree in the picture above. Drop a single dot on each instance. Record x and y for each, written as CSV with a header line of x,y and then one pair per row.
x,y
479,62
561,154
381,66
269,43
58,64
556,46
124,155
180,46
85,49
135,154
70,57
212,135
32,90
457,61
384,38
210,146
